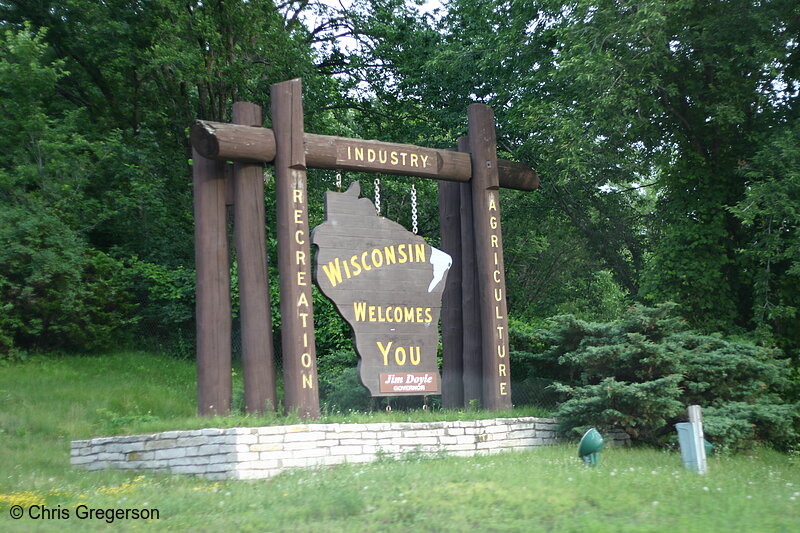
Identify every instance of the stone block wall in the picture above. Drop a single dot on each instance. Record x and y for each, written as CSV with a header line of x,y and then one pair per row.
x,y
262,452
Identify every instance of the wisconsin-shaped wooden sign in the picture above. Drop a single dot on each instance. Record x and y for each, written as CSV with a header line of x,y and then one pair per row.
x,y
387,283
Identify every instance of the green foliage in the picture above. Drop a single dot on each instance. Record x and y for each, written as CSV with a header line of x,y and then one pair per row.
x,y
57,292
769,209
339,384
641,371
166,297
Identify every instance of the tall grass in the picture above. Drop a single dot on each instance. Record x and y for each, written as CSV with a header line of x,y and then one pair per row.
x,y
48,401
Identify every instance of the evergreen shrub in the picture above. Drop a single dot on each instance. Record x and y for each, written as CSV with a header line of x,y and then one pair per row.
x,y
640,373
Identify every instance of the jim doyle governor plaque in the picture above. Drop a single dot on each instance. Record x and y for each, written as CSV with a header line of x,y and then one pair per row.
x,y
387,283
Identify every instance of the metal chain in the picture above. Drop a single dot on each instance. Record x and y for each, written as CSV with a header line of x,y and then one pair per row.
x,y
413,209
339,181
377,183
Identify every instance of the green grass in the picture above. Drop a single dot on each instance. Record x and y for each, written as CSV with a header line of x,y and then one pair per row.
x,y
48,401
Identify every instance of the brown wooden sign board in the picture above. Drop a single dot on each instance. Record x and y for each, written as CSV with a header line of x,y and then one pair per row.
x,y
387,283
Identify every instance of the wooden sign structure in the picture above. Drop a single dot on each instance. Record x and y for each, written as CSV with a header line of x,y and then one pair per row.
x,y
387,283
474,315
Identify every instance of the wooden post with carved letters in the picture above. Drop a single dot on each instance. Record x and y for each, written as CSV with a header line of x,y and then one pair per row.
x,y
294,252
251,255
489,255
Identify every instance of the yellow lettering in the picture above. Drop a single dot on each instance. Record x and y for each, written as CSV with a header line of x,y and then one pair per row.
x,y
349,156
388,252
503,388
408,314
424,160
300,257
428,316
301,278
501,370
304,318
400,360
495,242
414,350
393,157
492,204
401,248
364,261
389,314
297,196
370,155
496,276
377,258
501,350
383,156
372,317
498,294
307,383
385,352
305,360
298,214
346,269
359,152
398,314
413,160
333,271
302,300
497,312
360,310
403,156
420,250
500,332
356,266
493,222
297,235
418,313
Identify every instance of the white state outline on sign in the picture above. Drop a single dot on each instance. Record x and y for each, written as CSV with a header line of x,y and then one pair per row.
x,y
441,262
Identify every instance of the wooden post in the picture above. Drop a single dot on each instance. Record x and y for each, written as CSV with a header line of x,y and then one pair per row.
x,y
251,254
452,325
294,252
489,255
213,288
471,312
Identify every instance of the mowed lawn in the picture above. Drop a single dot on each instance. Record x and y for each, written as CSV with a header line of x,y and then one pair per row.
x,y
48,401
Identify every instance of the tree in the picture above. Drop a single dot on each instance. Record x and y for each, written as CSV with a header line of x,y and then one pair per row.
x,y
638,117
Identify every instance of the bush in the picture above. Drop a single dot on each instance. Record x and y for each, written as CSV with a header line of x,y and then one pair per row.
x,y
640,372
339,384
57,293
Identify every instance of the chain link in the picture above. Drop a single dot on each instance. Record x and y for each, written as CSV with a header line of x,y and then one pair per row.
x,y
414,209
339,181
377,183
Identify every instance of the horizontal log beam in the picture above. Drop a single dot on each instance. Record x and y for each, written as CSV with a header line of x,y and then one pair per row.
x,y
222,141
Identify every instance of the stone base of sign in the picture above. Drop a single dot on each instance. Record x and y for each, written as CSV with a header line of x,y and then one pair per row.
x,y
262,452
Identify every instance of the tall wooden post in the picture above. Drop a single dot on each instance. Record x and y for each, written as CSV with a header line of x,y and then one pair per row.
x,y
251,254
213,288
294,252
452,324
471,312
489,255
